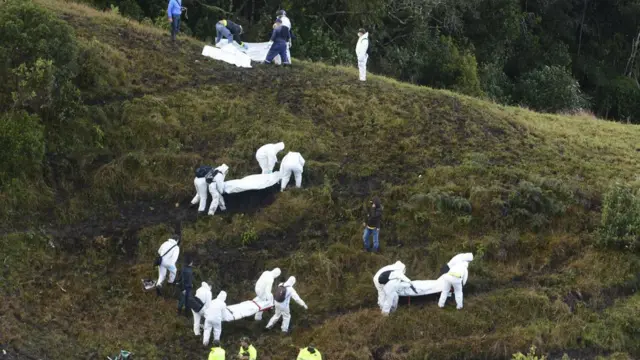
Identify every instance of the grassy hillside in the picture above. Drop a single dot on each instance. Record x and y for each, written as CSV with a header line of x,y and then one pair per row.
x,y
523,191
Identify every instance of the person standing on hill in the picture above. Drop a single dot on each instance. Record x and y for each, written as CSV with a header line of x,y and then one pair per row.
x,y
284,293
361,52
186,280
372,224
174,11
166,261
282,15
267,156
278,44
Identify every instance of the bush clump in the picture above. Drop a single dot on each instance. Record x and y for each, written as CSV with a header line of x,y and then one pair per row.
x,y
551,89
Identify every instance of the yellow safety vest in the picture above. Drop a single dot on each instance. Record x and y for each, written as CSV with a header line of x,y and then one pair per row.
x,y
306,355
253,354
217,353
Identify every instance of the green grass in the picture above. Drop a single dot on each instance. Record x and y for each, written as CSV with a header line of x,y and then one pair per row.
x,y
519,189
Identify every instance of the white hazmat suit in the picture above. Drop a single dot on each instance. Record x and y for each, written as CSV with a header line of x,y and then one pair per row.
x,y
216,189
293,162
204,294
213,318
282,308
171,251
361,52
456,278
201,193
388,281
267,156
464,257
264,287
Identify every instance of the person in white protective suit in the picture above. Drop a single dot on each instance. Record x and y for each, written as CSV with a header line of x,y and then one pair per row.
x,y
267,156
169,251
213,318
264,287
456,278
388,281
361,52
466,257
216,189
293,162
203,173
282,307
204,294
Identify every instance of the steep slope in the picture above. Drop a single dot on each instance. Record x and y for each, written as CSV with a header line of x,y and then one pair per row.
x,y
521,190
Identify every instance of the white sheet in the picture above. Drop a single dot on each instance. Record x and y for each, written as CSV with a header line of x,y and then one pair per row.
x,y
424,287
246,309
236,55
252,182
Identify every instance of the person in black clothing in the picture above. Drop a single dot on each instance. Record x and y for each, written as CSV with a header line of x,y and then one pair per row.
x,y
372,224
187,284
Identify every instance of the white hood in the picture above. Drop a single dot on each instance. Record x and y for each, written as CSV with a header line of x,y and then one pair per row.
x,y
205,285
276,273
278,146
290,281
463,257
222,296
223,169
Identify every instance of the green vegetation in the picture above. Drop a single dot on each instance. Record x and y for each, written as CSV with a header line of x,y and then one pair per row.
x,y
555,56
100,166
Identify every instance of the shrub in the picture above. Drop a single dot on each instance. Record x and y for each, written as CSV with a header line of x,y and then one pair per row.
x,y
536,204
530,356
619,98
551,89
495,83
620,226
21,145
35,49
102,68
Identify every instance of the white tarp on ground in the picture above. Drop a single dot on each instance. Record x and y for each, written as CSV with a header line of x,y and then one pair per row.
x,y
423,287
236,55
246,309
252,182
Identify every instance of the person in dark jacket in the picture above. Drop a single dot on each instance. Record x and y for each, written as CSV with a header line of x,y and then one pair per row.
x,y
372,224
279,43
230,30
187,284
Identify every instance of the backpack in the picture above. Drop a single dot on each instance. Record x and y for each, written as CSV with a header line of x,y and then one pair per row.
x,y
281,294
384,277
202,171
195,303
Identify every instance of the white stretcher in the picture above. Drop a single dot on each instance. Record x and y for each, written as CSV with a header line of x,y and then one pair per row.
x,y
246,309
235,54
423,287
251,182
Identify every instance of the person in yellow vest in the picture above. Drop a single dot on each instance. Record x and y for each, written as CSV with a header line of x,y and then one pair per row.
x,y
247,351
309,353
217,352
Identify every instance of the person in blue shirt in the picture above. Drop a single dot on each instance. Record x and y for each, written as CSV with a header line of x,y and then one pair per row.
x,y
279,43
174,11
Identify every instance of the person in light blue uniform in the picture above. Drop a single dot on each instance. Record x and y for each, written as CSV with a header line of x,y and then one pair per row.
x,y
174,11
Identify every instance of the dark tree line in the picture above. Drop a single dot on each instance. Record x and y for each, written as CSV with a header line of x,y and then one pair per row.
x,y
549,55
